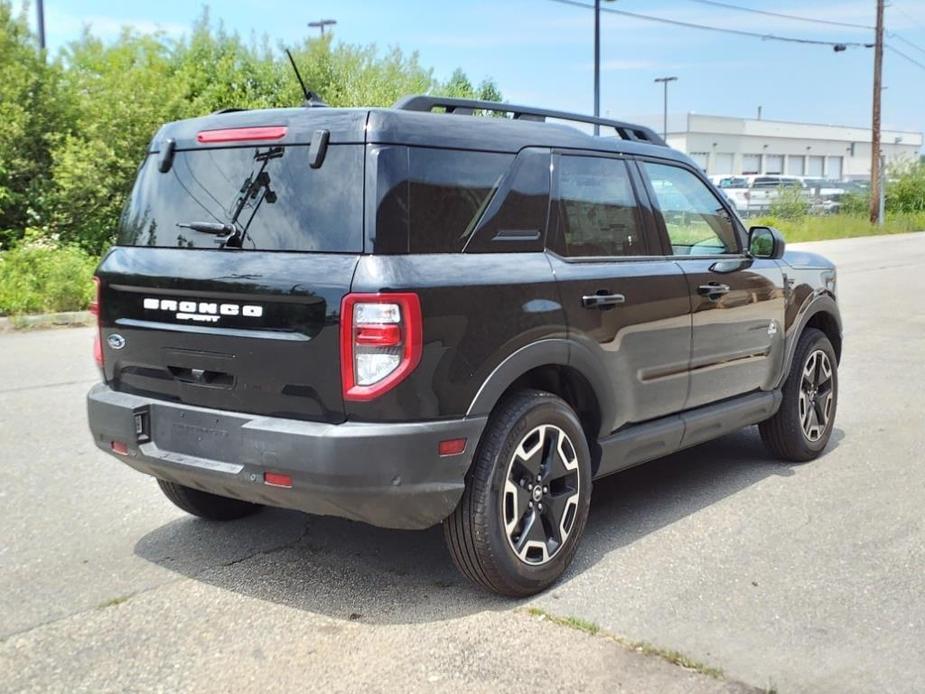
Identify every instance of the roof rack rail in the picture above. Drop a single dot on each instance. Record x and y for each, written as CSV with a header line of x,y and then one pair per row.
x,y
466,107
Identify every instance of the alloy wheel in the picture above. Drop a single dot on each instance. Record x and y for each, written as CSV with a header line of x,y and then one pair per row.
x,y
541,491
816,395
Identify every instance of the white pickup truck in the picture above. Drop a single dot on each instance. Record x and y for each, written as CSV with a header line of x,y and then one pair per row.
x,y
751,195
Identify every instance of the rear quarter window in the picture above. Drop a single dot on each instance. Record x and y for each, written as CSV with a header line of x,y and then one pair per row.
x,y
434,198
270,192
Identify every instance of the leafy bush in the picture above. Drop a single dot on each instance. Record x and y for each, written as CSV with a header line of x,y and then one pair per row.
x,y
789,204
905,191
40,278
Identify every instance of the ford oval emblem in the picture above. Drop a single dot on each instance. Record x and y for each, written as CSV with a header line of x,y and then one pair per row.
x,y
115,341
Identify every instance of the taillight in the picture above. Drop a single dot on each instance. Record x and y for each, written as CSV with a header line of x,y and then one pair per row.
x,y
380,342
97,339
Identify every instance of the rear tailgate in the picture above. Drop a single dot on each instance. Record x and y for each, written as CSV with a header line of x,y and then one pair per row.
x,y
244,321
230,330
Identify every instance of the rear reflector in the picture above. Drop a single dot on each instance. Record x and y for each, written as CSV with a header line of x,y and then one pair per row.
x,y
119,447
277,479
451,447
269,132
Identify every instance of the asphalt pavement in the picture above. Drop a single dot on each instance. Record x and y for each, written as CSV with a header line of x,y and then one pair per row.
x,y
798,578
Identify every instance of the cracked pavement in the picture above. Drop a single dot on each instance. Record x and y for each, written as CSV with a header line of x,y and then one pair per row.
x,y
804,578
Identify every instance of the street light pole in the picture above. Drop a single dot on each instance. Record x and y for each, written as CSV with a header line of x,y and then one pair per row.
x,y
40,11
665,81
321,24
597,63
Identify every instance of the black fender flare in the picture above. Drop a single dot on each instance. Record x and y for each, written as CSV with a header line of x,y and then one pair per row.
x,y
551,351
820,303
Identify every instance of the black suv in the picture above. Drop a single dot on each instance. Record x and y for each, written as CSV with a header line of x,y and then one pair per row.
x,y
426,314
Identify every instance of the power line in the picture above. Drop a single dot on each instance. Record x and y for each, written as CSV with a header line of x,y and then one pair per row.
x,y
907,57
908,16
813,20
917,47
722,30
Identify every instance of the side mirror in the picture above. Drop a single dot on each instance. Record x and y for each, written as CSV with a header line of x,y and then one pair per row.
x,y
765,242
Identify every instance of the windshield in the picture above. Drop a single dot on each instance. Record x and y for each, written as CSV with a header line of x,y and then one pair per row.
x,y
270,194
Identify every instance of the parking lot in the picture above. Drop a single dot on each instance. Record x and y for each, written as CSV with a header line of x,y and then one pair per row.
x,y
786,577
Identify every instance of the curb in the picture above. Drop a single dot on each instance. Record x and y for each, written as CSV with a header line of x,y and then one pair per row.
x,y
67,319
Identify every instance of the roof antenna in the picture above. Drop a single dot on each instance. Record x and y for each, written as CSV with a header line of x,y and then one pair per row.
x,y
311,99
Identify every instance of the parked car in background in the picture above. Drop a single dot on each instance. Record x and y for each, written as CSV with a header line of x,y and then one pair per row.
x,y
752,195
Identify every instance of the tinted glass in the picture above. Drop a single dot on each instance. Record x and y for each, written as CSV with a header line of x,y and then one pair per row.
x,y
270,192
447,193
597,208
696,221
516,218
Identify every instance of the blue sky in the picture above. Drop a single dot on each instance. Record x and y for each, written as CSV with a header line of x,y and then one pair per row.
x,y
540,52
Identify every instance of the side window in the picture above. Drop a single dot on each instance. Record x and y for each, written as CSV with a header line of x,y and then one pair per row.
x,y
447,192
515,220
696,221
598,214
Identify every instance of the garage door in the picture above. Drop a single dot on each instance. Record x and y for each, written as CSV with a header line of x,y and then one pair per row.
x,y
701,159
816,167
722,163
774,164
833,168
796,165
751,164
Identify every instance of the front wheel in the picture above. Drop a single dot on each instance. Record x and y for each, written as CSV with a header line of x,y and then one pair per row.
x,y
525,506
801,429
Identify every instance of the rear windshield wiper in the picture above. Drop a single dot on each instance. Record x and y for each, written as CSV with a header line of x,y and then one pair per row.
x,y
217,228
230,235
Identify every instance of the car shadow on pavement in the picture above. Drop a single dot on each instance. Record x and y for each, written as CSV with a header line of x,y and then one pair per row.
x,y
353,571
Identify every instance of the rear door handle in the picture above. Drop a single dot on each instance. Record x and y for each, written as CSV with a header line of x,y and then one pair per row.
x,y
713,290
602,301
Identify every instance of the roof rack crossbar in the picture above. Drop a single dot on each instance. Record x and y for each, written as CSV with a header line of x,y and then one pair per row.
x,y
425,103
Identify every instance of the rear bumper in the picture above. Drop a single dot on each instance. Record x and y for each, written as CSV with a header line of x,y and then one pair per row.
x,y
388,475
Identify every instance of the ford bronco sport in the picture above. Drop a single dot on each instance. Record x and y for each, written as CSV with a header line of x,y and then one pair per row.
x,y
415,315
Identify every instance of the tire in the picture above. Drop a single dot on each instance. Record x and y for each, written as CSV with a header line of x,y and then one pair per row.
x,y
786,434
205,505
495,534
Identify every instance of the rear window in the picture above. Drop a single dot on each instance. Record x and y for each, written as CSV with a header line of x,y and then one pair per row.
x,y
270,193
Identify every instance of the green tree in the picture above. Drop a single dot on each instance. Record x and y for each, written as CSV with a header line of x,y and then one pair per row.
x,y
87,119
121,94
31,116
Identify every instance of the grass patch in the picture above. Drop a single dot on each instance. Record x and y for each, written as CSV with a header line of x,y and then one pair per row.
x,y
644,647
112,602
840,226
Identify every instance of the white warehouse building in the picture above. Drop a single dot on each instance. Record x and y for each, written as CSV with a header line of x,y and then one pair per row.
x,y
741,146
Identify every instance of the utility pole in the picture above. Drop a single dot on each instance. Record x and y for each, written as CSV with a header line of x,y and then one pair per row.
x,y
321,24
876,211
665,81
40,11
